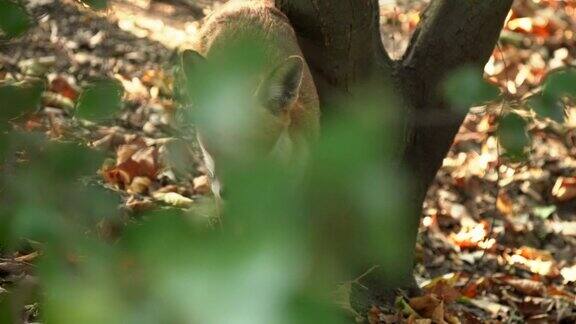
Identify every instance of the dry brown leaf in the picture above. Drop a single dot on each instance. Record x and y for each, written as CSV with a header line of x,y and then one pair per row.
x,y
565,228
443,287
423,302
429,306
569,273
445,291
62,87
438,314
139,185
116,177
564,189
558,291
148,159
142,163
537,261
125,152
527,286
33,123
472,236
533,254
504,204
139,205
470,290
374,315
493,308
28,257
422,321
173,199
202,185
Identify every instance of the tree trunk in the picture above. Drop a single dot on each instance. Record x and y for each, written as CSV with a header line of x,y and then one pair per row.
x,y
342,44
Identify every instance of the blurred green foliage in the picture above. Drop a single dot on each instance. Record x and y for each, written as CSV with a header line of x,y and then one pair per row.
x,y
290,232
513,137
14,20
558,86
560,83
100,100
18,98
547,107
465,88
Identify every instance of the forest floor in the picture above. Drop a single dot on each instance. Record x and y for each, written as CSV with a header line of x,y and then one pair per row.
x,y
498,240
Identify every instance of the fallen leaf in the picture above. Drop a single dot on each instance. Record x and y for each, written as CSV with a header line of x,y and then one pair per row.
x,y
558,291
142,163
139,204
116,177
202,185
527,286
28,257
493,308
504,203
125,152
565,228
173,199
470,290
536,261
430,307
472,236
443,287
564,189
544,211
569,273
139,185
62,87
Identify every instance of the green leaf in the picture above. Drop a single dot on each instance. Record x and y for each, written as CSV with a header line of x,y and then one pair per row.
x,y
14,20
466,87
557,85
560,83
18,98
546,106
513,137
544,211
6,307
100,100
67,160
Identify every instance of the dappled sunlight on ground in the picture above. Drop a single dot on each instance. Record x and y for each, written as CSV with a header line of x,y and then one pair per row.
x,y
498,239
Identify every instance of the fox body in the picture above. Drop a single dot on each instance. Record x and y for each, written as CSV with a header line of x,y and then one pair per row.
x,y
284,110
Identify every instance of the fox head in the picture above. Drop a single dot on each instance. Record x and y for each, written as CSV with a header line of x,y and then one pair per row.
x,y
262,127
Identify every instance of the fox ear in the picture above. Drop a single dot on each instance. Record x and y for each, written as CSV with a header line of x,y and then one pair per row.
x,y
190,60
280,89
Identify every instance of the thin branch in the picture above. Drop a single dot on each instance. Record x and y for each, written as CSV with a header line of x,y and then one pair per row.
x,y
453,33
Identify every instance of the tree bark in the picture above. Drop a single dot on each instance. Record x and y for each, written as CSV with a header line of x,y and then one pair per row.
x,y
342,44
452,33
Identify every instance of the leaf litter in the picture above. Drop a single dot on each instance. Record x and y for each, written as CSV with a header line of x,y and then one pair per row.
x,y
498,237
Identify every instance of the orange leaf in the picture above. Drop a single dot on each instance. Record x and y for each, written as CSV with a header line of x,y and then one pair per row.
x,y
62,87
116,177
504,203
445,291
471,290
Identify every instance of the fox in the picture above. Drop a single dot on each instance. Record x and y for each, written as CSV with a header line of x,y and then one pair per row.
x,y
285,110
